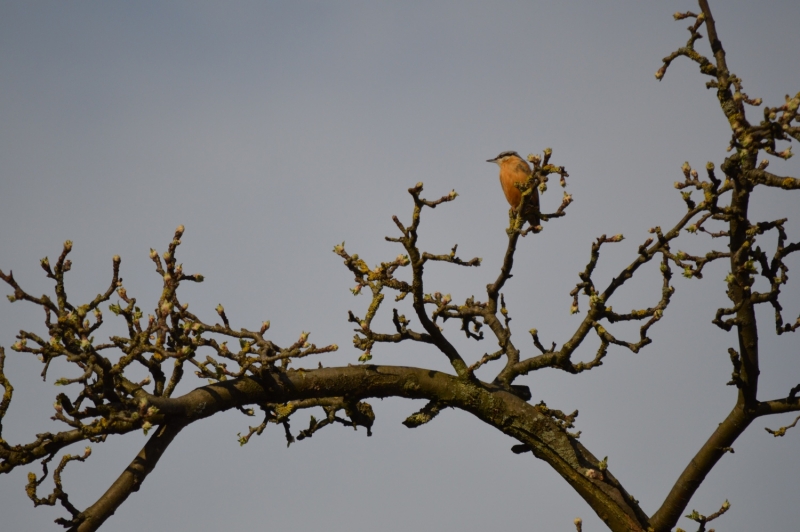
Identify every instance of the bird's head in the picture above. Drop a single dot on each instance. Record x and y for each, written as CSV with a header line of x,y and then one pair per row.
x,y
504,157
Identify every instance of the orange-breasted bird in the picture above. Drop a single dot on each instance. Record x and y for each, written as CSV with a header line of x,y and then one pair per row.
x,y
515,169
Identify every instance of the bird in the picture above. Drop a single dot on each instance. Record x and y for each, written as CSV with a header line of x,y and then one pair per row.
x,y
514,169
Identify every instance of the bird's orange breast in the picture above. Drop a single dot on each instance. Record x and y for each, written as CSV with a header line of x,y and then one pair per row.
x,y
513,171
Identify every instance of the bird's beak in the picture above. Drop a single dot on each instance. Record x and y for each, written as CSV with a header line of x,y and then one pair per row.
x,y
491,160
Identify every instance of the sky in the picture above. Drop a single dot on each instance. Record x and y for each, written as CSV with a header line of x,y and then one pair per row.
x,y
275,130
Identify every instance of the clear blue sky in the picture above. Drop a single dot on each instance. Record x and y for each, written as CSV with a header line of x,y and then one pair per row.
x,y
274,130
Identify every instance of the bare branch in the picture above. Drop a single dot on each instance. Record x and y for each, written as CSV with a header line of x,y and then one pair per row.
x,y
703,520
782,430
58,494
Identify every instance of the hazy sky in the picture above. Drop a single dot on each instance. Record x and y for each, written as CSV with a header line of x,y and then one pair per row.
x,y
274,130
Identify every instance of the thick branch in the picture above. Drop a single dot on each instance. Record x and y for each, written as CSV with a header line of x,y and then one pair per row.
x,y
695,473
771,180
493,405
130,480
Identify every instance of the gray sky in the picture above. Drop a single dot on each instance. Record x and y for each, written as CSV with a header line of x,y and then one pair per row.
x,y
274,130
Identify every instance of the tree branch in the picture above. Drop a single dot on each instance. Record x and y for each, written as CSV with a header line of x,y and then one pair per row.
x,y
129,481
701,464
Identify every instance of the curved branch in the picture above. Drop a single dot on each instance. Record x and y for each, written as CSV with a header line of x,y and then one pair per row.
x,y
493,405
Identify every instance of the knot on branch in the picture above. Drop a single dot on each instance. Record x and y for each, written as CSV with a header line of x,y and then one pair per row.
x,y
562,420
424,415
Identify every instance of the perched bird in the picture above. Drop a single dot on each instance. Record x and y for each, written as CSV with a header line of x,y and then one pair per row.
x,y
514,169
